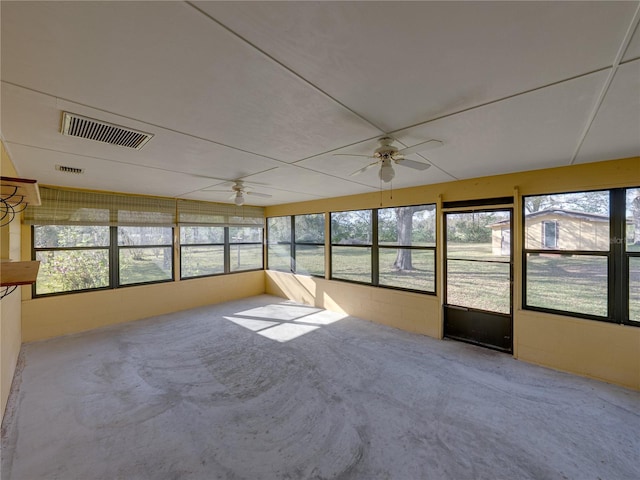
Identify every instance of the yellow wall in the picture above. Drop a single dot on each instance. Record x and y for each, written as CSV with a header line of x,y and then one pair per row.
x,y
594,349
10,306
59,315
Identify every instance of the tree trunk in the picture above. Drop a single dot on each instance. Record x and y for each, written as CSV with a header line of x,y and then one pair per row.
x,y
405,227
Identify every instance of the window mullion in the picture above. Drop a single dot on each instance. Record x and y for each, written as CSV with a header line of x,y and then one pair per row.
x,y
227,251
375,260
618,291
114,258
292,247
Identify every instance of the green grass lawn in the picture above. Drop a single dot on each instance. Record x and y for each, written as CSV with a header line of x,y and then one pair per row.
x,y
569,283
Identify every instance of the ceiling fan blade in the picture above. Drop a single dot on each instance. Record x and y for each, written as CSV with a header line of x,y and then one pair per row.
x,y
351,155
363,169
214,191
421,147
257,194
413,164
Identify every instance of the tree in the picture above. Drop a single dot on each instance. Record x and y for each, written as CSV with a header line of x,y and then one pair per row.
x,y
635,218
404,219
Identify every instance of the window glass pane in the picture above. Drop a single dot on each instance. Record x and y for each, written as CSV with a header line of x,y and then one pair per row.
x,y
279,230
421,275
149,264
144,236
634,289
479,236
481,285
68,270
351,263
310,259
245,257
245,235
52,236
351,228
201,235
309,228
201,260
405,226
571,283
569,221
633,219
279,243
279,257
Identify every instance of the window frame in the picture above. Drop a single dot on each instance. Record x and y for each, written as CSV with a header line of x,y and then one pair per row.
x,y
376,247
209,244
229,244
293,266
374,240
118,248
618,263
113,256
432,248
295,243
35,250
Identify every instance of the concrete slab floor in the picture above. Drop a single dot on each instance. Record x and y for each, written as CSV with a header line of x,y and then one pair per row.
x,y
267,389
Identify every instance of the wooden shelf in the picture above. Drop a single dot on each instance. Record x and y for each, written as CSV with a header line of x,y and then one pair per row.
x,y
16,191
18,273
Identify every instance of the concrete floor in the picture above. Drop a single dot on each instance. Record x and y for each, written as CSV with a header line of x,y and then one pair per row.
x,y
266,389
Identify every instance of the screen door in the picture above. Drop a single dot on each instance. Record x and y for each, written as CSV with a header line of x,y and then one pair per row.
x,y
478,277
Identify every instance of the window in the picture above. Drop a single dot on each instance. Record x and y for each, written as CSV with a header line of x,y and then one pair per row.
x,y
201,251
145,254
388,247
406,247
550,234
352,246
72,258
245,248
296,244
579,254
308,251
632,253
87,240
279,244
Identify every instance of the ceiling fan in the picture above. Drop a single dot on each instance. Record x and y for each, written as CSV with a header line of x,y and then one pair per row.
x,y
239,191
386,154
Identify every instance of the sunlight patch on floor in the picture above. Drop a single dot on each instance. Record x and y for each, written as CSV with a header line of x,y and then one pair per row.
x,y
285,321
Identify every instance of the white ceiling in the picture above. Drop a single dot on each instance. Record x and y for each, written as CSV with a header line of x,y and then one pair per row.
x,y
270,91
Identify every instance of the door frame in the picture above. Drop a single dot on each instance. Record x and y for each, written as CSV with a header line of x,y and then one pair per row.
x,y
492,330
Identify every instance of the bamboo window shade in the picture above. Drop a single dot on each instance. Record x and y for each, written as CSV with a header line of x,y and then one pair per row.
x,y
75,207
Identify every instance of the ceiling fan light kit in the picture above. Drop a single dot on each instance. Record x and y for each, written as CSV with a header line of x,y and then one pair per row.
x,y
386,153
386,172
239,198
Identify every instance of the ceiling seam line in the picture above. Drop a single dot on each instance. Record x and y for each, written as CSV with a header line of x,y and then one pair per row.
x,y
190,135
607,84
502,99
123,162
288,69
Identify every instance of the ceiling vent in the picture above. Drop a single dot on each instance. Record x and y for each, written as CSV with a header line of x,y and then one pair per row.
x,y
62,168
83,127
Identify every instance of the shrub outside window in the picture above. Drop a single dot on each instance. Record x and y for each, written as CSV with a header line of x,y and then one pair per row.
x,y
72,258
